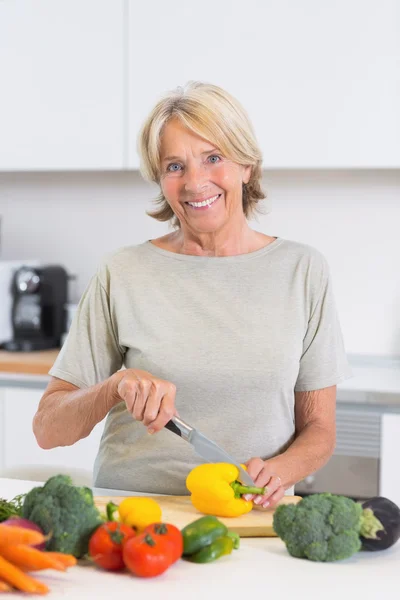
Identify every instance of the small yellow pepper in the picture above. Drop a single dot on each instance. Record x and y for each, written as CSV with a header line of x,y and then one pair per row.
x,y
215,490
137,512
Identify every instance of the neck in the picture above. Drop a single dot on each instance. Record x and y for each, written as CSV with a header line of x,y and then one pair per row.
x,y
240,239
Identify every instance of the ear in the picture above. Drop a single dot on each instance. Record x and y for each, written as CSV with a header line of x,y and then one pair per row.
x,y
246,174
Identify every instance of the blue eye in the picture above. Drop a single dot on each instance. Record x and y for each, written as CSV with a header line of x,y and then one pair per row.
x,y
214,158
173,167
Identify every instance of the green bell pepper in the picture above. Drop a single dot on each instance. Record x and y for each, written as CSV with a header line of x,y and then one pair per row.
x,y
206,539
200,533
219,547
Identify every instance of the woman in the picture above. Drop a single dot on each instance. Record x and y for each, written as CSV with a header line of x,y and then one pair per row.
x,y
235,329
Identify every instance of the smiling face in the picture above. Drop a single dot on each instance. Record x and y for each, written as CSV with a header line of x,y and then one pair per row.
x,y
203,188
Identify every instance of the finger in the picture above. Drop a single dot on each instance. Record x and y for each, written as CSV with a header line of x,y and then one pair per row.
x,y
254,468
274,499
166,412
153,404
127,390
272,485
143,390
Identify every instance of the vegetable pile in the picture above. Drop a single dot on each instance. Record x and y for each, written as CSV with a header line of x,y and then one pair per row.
x,y
327,527
19,556
147,548
65,511
115,546
52,526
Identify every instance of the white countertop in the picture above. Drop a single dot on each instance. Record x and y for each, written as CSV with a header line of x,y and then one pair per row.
x,y
24,380
384,380
261,568
375,380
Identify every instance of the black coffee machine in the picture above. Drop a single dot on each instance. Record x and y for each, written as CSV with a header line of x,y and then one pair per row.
x,y
38,310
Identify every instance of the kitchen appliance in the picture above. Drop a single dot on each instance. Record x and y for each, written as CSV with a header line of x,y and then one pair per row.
x,y
7,271
207,449
38,308
354,468
70,310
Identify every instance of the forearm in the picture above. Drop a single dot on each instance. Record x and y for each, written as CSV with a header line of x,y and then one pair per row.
x,y
311,449
64,417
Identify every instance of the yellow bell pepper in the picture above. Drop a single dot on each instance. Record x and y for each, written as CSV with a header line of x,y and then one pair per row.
x,y
215,490
136,511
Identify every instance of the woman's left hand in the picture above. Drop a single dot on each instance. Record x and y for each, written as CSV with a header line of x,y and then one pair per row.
x,y
263,474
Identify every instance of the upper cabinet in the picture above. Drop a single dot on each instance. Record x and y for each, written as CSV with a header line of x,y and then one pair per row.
x,y
62,88
320,80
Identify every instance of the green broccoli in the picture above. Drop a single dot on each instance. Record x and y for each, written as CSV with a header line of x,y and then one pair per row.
x,y
65,511
323,527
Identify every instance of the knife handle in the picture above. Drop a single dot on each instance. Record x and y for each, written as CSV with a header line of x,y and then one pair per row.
x,y
179,427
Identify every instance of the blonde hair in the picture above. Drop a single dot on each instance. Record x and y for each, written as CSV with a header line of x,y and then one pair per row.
x,y
212,113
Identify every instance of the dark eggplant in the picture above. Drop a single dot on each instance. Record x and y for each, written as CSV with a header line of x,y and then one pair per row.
x,y
388,514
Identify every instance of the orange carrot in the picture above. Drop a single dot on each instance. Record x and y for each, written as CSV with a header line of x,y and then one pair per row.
x,y
19,535
30,559
4,587
66,559
14,576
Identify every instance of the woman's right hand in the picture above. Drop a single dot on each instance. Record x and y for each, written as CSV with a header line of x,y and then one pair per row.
x,y
148,398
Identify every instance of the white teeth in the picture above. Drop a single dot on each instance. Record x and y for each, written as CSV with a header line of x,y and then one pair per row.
x,y
205,202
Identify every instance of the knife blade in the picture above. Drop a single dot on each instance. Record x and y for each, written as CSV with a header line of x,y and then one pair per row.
x,y
205,447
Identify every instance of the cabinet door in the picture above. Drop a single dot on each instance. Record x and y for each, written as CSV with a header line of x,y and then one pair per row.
x,y
390,452
20,449
61,73
320,80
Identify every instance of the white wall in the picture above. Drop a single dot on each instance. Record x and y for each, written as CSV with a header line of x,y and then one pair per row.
x,y
353,217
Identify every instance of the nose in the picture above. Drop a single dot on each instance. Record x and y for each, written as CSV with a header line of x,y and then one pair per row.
x,y
195,178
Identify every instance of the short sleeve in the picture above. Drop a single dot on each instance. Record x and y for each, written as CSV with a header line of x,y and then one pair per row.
x,y
323,361
90,353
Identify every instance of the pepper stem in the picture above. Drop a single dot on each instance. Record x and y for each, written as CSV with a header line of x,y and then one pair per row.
x,y
370,525
236,539
240,489
110,510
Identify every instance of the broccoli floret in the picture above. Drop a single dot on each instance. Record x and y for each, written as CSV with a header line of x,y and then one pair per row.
x,y
321,527
65,511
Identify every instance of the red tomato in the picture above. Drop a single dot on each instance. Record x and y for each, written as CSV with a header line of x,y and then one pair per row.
x,y
168,534
105,545
145,556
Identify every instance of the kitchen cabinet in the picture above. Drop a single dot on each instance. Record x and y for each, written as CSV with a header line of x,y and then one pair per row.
x,y
390,452
19,450
62,85
320,81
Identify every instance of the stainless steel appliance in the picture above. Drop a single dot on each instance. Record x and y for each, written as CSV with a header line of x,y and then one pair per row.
x,y
353,470
7,271
38,308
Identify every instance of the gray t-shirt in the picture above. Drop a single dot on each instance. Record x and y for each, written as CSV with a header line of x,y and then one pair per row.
x,y
237,335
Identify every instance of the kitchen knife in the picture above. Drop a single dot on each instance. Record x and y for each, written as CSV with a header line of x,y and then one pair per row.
x,y
207,449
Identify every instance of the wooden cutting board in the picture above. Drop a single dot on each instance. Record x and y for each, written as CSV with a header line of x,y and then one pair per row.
x,y
179,511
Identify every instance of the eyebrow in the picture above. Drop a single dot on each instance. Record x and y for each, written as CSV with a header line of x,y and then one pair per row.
x,y
167,158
